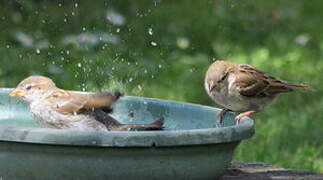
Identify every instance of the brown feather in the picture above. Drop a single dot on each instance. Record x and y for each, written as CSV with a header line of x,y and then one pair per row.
x,y
66,102
73,101
249,83
101,99
258,83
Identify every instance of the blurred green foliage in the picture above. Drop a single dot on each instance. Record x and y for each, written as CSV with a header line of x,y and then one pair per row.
x,y
162,48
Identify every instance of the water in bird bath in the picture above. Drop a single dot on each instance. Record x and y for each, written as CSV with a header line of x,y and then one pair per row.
x,y
128,110
177,115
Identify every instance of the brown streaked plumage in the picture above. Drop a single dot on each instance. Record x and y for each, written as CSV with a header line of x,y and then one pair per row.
x,y
57,108
243,88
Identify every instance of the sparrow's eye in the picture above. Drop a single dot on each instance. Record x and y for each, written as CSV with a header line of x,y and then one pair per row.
x,y
223,77
28,87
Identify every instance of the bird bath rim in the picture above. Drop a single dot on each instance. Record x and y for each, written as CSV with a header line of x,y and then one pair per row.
x,y
164,138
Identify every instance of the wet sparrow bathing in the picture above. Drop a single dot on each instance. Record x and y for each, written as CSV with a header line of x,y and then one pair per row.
x,y
56,108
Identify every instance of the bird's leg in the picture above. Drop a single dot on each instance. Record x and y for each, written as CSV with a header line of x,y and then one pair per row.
x,y
220,115
244,114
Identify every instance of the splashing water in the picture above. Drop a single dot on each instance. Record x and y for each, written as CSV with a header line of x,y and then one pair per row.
x,y
153,43
115,18
150,31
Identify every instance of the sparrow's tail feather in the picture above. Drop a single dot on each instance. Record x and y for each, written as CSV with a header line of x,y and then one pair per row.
x,y
300,86
102,116
156,125
159,122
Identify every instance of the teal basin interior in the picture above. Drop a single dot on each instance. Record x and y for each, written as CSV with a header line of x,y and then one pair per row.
x,y
192,146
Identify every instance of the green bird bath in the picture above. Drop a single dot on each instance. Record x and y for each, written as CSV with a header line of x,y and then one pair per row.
x,y
192,146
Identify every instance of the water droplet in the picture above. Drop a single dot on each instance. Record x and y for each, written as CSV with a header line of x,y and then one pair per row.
x,y
67,52
139,87
73,13
153,43
7,46
302,39
115,18
160,66
118,30
79,65
59,5
76,5
150,31
37,51
83,28
65,20
182,43
130,79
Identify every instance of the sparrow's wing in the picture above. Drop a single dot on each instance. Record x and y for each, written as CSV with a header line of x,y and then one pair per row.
x,y
73,101
96,99
252,82
66,102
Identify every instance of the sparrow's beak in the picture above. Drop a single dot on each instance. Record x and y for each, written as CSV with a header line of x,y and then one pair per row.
x,y
211,86
17,93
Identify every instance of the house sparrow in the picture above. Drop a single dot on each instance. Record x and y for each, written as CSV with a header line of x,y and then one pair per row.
x,y
243,88
57,108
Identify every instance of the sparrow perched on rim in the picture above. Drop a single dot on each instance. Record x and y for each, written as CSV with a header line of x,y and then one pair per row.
x,y
56,108
243,88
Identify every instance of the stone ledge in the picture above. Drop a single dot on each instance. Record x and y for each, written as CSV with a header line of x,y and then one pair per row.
x,y
262,171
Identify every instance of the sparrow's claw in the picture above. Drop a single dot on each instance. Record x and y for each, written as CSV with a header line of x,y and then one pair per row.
x,y
242,115
220,115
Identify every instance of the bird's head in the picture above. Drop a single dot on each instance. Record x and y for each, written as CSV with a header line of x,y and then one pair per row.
x,y
217,75
33,88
